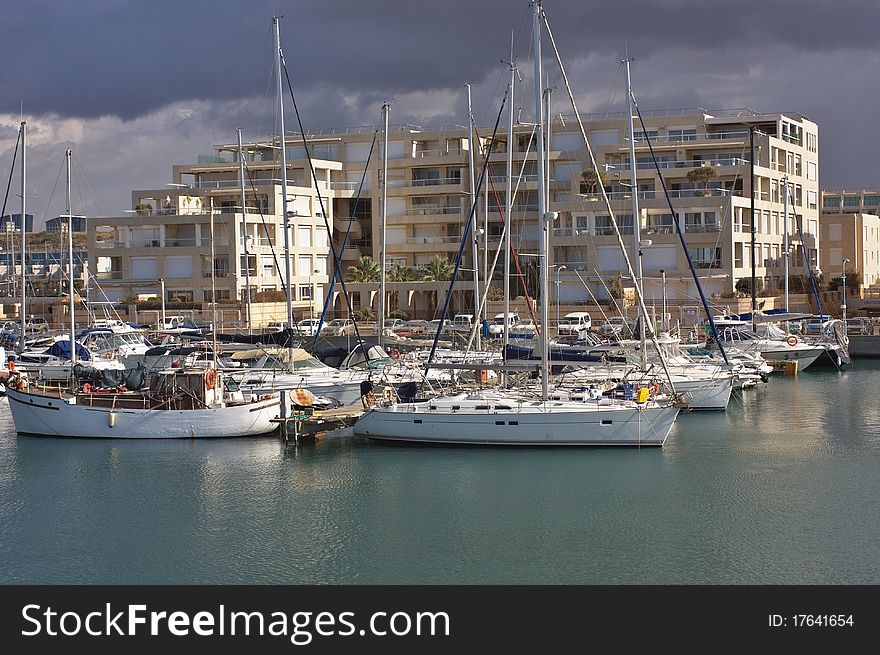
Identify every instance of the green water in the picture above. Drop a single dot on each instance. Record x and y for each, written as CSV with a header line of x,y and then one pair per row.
x,y
782,488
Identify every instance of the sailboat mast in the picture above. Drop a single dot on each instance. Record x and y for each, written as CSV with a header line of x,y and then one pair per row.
x,y
507,208
386,109
23,241
785,253
634,193
70,264
542,200
473,198
244,233
283,146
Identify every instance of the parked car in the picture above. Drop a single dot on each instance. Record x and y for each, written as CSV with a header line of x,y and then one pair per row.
x,y
339,327
307,327
616,326
460,323
496,327
392,324
573,323
172,322
36,325
859,325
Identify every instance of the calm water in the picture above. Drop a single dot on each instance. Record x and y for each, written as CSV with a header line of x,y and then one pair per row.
x,y
782,488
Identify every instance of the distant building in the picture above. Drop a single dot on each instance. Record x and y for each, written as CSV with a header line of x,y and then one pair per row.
x,y
54,224
850,229
12,223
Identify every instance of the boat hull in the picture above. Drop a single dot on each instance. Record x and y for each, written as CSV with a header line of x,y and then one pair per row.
x,y
618,427
55,417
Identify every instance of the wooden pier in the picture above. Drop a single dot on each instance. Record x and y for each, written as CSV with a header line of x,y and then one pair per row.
x,y
308,423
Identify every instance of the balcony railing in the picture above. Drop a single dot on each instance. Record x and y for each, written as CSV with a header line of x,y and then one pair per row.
x,y
432,240
707,263
436,181
108,244
109,275
430,210
422,154
702,227
171,242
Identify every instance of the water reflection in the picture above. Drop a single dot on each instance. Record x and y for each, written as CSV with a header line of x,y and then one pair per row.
x,y
778,489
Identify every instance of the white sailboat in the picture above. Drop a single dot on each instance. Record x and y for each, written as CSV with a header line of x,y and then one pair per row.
x,y
509,418
178,404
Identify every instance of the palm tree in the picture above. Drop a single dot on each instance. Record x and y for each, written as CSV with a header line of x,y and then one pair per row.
x,y
398,273
366,270
438,269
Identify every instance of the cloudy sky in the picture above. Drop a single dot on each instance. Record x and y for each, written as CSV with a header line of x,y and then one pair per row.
x,y
135,86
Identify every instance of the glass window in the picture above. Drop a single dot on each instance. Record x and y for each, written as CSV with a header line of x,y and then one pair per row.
x,y
852,201
834,201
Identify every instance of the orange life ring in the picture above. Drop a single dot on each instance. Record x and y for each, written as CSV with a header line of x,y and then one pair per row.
x,y
395,353
210,378
11,364
792,341
87,388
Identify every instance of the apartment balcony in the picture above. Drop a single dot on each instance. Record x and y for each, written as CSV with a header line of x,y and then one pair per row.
x,y
109,275
109,244
439,181
433,210
171,242
433,240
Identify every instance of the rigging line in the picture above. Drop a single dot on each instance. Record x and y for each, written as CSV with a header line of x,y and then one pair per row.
x,y
613,93
464,236
11,171
265,230
505,219
51,195
797,222
590,291
336,261
650,331
610,295
83,173
680,233
352,217
508,225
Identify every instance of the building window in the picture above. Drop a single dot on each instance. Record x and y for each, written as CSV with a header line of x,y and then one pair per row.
x,y
305,292
831,202
304,236
852,201
686,134
812,202
872,201
706,257
304,265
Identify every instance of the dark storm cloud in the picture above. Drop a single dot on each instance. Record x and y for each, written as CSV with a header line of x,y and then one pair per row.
x,y
126,58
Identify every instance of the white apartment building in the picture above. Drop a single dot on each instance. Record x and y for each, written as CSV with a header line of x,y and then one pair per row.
x,y
429,202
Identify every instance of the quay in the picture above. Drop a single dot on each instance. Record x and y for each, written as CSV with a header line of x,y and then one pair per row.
x,y
867,345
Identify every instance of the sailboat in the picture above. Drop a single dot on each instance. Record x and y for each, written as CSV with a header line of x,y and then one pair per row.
x,y
522,418
178,403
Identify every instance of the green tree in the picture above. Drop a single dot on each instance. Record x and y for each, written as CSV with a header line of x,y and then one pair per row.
x,y
590,180
438,269
398,273
702,175
366,270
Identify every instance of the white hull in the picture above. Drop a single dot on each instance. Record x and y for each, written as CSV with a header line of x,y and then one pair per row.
x,y
804,355
590,423
55,417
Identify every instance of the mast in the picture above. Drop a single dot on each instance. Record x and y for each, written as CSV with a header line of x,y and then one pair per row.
x,y
23,241
634,192
542,200
507,207
244,233
70,264
386,109
213,289
752,193
282,144
473,197
785,242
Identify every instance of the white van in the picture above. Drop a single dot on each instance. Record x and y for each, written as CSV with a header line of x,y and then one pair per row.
x,y
497,325
573,323
171,322
460,323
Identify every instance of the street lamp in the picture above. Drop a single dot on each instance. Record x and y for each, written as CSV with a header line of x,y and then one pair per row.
x,y
558,270
843,298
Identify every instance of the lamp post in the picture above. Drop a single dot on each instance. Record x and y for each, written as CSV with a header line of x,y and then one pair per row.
x,y
843,297
558,270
